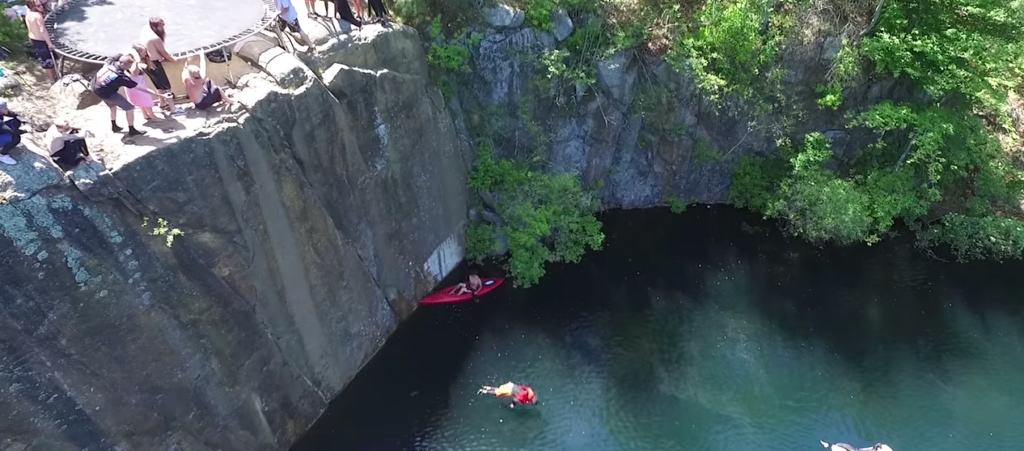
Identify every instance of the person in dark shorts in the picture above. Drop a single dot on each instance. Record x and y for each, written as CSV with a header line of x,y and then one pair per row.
x,y
42,47
157,74
152,38
201,90
107,84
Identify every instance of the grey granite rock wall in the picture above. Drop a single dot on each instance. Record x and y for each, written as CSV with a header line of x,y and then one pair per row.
x,y
686,151
312,223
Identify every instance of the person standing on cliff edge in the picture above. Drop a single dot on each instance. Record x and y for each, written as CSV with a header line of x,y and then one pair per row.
x,y
153,39
288,19
343,13
42,46
107,84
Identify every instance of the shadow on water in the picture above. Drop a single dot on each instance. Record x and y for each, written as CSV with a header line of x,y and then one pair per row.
x,y
708,329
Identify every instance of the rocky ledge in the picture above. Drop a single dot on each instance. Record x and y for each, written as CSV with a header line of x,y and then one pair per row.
x,y
215,291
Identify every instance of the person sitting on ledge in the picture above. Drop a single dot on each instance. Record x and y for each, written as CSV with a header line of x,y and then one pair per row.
x,y
473,286
67,145
200,89
10,133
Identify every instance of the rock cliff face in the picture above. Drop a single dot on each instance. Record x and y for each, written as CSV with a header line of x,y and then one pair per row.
x,y
685,148
312,222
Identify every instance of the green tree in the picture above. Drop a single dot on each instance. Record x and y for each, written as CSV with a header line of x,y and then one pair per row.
x,y
971,47
547,217
728,51
13,33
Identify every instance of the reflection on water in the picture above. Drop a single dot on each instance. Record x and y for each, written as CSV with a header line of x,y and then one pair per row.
x,y
687,333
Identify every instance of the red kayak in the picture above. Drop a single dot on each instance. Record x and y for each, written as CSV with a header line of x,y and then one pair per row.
x,y
445,296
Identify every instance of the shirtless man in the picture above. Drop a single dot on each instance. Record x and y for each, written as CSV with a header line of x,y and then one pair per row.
x,y
42,47
201,90
472,287
153,38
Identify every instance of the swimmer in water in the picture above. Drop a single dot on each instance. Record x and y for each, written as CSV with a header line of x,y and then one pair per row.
x,y
521,394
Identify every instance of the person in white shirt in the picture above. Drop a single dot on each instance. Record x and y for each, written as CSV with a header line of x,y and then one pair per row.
x,y
289,20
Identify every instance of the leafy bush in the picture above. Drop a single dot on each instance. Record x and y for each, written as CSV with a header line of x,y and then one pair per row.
x,y
831,95
677,205
972,47
538,12
985,237
754,181
450,54
548,218
480,241
455,14
818,205
728,51
13,34
925,157
576,60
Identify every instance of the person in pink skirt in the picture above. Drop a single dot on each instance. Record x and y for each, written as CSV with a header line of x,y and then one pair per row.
x,y
138,95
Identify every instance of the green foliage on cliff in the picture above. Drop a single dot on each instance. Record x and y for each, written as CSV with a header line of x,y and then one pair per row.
x,y
547,217
973,48
728,50
13,34
450,58
938,165
538,12
480,241
938,171
813,201
978,237
163,229
449,54
843,73
455,15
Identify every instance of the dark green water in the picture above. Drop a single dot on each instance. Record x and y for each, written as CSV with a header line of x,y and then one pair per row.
x,y
707,331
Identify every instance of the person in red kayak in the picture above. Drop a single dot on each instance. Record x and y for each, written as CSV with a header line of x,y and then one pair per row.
x,y
473,286
521,394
